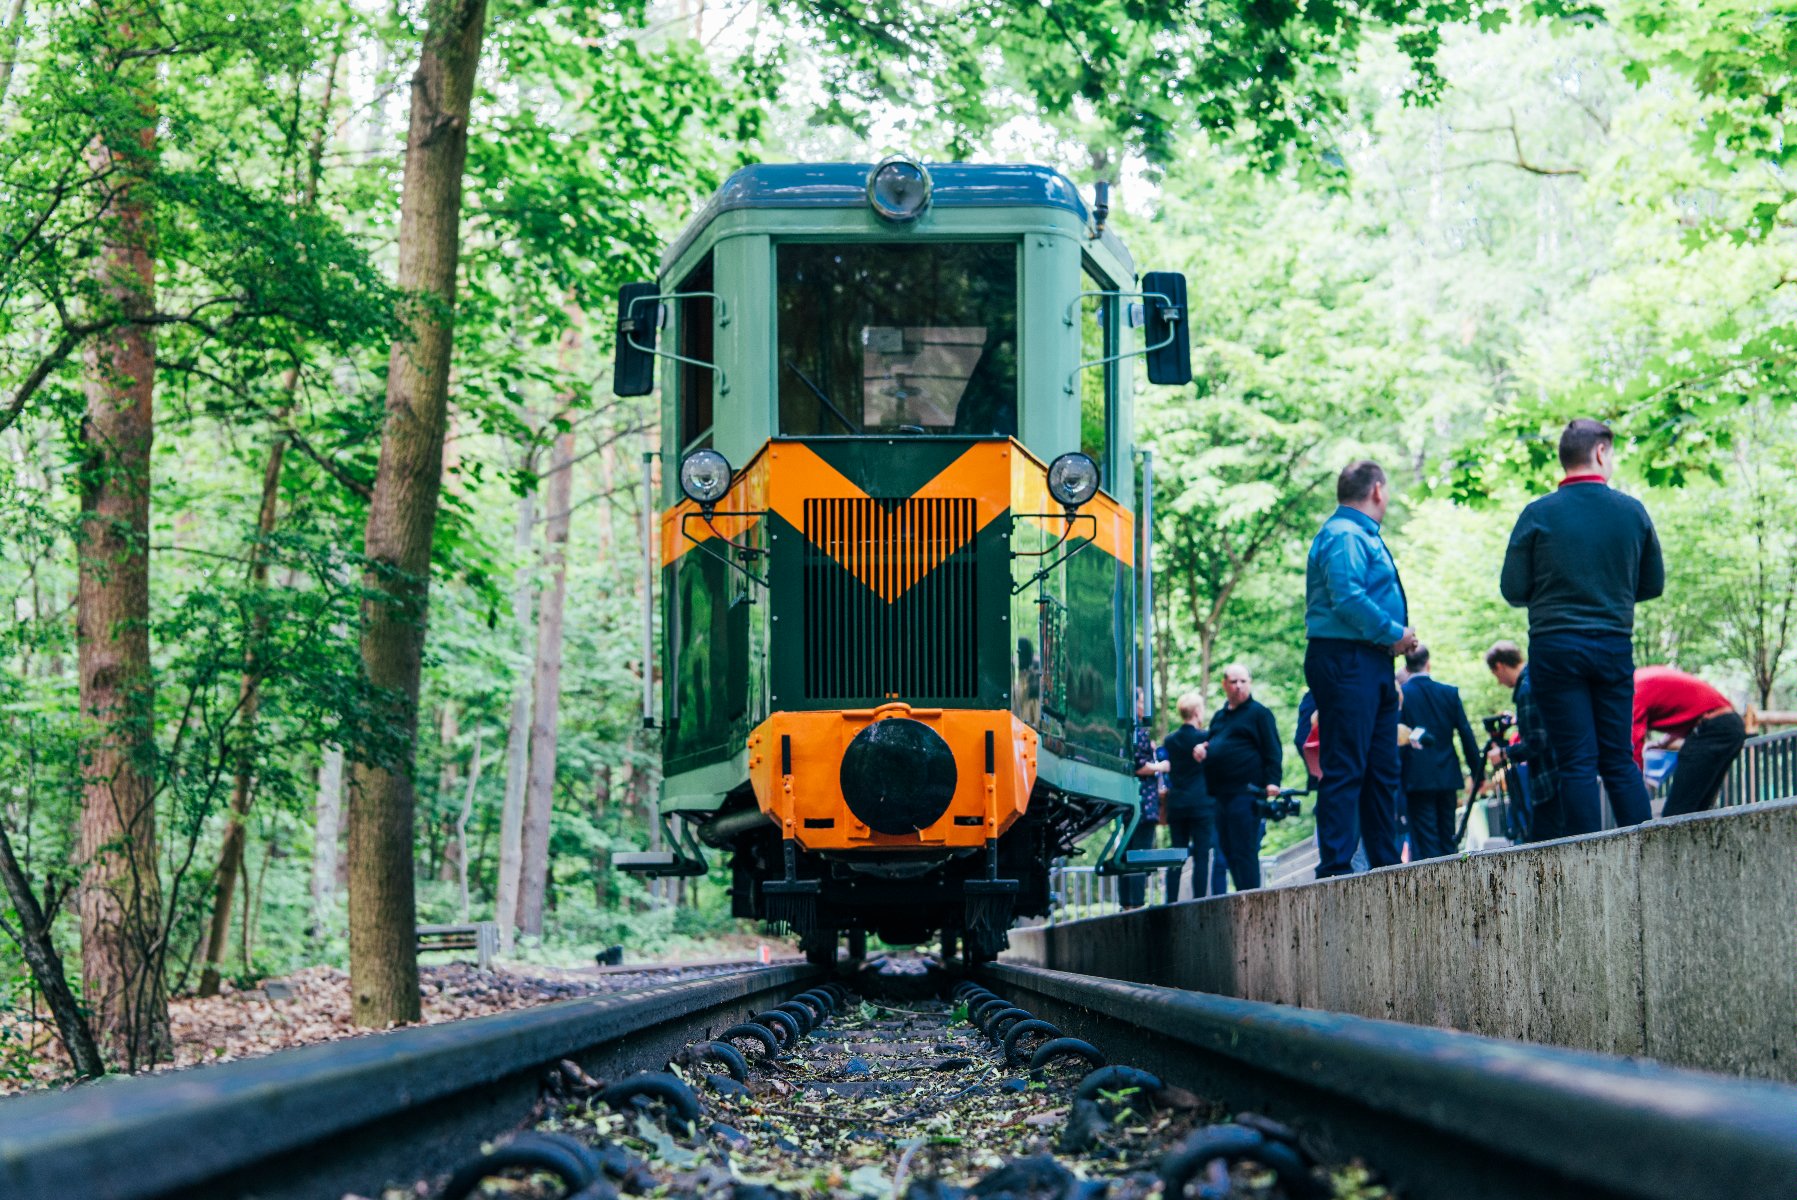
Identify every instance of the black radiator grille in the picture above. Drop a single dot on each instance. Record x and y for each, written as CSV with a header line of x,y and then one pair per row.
x,y
889,599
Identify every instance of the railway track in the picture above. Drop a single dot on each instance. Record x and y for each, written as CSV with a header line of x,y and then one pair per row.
x,y
989,1087
345,1117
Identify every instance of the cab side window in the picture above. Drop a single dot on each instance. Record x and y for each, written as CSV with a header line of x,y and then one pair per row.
x,y
1098,339
696,341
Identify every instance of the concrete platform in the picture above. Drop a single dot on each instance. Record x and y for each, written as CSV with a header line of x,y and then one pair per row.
x,y
1676,940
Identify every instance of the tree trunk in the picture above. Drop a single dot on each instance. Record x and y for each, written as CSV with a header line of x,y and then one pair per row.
x,y
461,825
545,706
601,855
15,29
39,951
402,517
122,948
230,852
449,729
517,744
1163,651
326,819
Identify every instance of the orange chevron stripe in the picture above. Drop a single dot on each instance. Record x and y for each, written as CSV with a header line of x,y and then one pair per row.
x,y
997,476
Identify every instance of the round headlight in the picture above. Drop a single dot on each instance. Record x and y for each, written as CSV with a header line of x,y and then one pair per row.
x,y
705,476
1072,479
898,188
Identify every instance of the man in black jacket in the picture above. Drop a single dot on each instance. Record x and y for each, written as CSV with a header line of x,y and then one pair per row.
x,y
1242,763
1432,778
1579,560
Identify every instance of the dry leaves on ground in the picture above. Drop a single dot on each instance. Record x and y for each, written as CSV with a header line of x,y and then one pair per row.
x,y
312,1006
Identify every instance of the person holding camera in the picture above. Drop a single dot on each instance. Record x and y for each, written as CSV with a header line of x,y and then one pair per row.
x,y
1243,767
1533,750
1357,620
1579,560
1432,778
1188,809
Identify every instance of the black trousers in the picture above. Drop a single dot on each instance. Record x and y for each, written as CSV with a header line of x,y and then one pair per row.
x,y
1431,822
1196,831
1239,832
1585,689
1709,751
1132,889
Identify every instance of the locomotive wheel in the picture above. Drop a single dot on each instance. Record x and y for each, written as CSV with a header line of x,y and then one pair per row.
x,y
820,947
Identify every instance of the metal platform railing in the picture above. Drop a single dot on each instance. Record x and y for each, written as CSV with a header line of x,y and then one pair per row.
x,y
1766,770
1077,892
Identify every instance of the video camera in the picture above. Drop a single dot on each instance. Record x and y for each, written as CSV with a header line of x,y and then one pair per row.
x,y
1499,724
1278,808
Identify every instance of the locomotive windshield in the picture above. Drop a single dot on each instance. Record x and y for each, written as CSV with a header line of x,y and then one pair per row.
x,y
898,339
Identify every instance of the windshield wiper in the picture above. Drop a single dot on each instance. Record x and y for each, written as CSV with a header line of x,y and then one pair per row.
x,y
822,399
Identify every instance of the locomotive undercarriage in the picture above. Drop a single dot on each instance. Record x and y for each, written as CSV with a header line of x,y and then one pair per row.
x,y
967,895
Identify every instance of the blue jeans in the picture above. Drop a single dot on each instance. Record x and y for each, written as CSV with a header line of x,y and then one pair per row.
x,y
1238,843
1357,723
1584,686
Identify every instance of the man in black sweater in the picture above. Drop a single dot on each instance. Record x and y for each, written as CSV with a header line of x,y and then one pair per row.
x,y
1579,560
1432,778
1242,763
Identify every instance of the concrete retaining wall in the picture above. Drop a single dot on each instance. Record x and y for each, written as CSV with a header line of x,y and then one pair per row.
x,y
1677,940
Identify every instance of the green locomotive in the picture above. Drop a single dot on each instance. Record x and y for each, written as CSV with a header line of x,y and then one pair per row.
x,y
896,546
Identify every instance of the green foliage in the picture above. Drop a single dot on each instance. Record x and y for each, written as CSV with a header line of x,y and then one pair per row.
x,y
1531,211
1132,76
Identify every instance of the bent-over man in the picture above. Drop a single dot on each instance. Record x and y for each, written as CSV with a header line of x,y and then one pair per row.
x,y
1671,702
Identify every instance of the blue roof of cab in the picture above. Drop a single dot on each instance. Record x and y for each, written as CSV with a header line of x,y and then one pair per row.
x,y
844,185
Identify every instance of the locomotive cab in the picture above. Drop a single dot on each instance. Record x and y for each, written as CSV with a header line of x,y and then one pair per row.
x,y
895,541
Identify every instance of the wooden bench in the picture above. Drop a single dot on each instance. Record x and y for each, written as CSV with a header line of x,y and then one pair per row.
x,y
483,939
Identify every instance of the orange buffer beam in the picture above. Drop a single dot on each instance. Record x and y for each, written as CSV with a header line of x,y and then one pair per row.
x,y
808,803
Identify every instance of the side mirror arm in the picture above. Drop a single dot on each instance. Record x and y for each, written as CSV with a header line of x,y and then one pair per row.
x,y
629,324
1172,314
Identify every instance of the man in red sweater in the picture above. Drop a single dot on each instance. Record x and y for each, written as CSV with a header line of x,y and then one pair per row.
x,y
1669,701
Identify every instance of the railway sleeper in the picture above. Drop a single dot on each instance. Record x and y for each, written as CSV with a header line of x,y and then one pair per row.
x,y
939,1108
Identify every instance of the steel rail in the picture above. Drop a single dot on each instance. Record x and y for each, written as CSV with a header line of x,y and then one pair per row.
x,y
349,1115
1442,1113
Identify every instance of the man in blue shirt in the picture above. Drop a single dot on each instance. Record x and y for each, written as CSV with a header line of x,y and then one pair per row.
x,y
1356,619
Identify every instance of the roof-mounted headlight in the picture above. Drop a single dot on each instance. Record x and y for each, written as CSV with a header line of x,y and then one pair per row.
x,y
1072,479
898,188
705,477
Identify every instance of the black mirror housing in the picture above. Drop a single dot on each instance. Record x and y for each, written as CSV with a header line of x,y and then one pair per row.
x,y
633,361
1168,332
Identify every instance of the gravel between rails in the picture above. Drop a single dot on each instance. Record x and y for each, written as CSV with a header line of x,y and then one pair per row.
x,y
902,1100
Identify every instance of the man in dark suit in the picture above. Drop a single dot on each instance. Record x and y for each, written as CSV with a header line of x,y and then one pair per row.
x,y
1432,778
